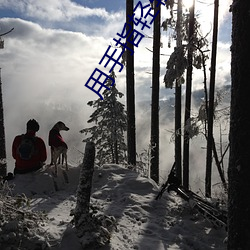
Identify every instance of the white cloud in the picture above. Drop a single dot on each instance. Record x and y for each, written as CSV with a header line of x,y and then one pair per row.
x,y
56,10
44,72
205,12
50,57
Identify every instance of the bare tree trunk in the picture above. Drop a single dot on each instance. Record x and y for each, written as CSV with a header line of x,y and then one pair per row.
x,y
3,162
93,231
211,102
154,168
188,98
178,91
239,159
112,152
116,152
218,164
81,215
130,82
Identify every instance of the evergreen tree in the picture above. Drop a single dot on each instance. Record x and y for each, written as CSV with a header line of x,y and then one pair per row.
x,y
173,74
191,26
188,53
178,94
110,120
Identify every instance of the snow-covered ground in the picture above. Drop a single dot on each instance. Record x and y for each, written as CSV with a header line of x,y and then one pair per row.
x,y
141,221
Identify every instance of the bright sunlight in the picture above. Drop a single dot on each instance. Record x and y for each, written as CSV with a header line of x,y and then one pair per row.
x,y
188,3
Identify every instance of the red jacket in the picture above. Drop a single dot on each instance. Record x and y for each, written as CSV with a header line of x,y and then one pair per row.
x,y
37,159
55,139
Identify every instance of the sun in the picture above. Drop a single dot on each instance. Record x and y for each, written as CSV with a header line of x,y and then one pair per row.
x,y
188,3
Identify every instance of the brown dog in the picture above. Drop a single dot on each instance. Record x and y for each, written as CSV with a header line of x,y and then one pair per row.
x,y
58,146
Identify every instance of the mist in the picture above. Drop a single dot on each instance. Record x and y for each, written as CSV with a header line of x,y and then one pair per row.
x,y
44,71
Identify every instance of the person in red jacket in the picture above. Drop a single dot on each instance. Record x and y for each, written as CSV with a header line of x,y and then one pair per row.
x,y
29,150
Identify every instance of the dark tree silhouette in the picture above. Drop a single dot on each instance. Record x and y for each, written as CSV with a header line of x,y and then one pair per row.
x,y
154,168
188,96
210,139
83,192
178,155
130,82
110,124
3,162
239,160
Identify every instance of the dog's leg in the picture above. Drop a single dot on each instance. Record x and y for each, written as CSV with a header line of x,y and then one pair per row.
x,y
63,157
51,155
59,159
66,161
56,170
55,158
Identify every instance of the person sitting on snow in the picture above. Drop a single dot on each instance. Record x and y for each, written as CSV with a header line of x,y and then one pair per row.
x,y
29,150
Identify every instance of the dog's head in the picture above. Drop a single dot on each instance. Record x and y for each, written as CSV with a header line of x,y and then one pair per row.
x,y
61,126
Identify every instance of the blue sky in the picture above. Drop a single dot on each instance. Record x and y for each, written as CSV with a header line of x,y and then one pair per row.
x,y
66,14
109,5
56,45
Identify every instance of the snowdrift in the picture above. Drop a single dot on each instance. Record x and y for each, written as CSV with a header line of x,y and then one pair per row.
x,y
141,221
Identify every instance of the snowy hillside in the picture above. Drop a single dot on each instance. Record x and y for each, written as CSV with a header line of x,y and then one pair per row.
x,y
141,221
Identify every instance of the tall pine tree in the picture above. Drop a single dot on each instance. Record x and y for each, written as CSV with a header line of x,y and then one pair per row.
x,y
210,118
130,87
187,116
3,164
110,121
238,170
154,167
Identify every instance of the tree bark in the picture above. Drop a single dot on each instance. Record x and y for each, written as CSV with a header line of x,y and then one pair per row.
x,y
93,230
3,161
218,164
83,193
178,158
211,102
239,159
116,152
188,97
154,168
130,82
